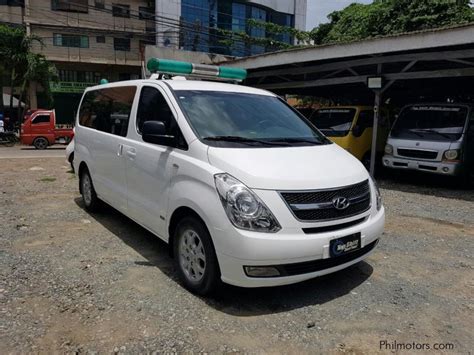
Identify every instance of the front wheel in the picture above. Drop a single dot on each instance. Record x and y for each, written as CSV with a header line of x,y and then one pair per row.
x,y
41,143
195,256
89,197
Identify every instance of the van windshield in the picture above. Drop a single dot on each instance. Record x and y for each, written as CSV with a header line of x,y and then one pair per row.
x,y
334,122
440,123
229,119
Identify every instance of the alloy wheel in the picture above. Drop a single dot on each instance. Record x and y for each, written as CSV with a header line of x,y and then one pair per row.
x,y
192,256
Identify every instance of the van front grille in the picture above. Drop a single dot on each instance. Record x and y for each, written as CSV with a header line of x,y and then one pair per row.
x,y
416,153
322,205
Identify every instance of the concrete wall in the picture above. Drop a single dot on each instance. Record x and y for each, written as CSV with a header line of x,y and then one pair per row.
x,y
100,53
167,18
40,12
10,14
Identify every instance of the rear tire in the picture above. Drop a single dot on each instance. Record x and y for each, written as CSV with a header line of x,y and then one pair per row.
x,y
10,142
71,160
89,197
41,143
195,257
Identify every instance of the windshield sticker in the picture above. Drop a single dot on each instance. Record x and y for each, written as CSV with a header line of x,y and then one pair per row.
x,y
435,108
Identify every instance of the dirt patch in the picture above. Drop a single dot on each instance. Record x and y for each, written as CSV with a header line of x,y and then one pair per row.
x,y
75,282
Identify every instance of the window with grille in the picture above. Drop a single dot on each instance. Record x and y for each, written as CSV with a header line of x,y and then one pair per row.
x,y
120,10
122,44
67,40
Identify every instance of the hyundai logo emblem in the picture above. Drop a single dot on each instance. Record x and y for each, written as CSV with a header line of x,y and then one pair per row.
x,y
340,203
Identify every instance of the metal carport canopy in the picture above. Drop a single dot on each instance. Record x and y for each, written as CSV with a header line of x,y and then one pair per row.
x,y
435,63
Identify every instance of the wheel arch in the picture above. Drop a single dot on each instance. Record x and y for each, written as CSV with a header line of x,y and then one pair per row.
x,y
178,214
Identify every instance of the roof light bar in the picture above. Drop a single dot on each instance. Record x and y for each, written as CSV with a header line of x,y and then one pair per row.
x,y
174,67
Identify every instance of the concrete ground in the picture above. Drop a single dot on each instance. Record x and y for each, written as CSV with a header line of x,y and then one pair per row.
x,y
75,282
26,152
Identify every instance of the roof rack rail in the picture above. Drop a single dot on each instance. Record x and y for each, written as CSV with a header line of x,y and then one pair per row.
x,y
192,70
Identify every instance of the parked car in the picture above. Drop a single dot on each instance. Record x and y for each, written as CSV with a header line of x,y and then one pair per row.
x,y
40,130
435,138
351,128
238,183
70,153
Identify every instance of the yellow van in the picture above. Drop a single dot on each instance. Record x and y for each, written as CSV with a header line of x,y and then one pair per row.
x,y
351,128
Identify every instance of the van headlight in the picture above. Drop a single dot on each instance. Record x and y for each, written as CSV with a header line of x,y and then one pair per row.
x,y
388,149
451,154
378,196
243,207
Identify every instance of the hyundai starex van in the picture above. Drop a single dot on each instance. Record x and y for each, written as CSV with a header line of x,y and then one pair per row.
x,y
241,186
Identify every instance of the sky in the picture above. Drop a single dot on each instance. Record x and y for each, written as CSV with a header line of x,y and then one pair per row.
x,y
319,9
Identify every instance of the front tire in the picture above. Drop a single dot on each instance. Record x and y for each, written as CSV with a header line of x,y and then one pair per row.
x,y
41,143
89,197
195,257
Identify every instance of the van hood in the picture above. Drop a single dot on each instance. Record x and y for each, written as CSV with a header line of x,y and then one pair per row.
x,y
289,168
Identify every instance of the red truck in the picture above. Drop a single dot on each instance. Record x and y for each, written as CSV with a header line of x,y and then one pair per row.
x,y
40,130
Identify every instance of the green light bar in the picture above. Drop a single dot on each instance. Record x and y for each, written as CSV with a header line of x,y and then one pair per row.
x,y
174,67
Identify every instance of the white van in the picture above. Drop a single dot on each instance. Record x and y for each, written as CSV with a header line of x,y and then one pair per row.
x,y
241,186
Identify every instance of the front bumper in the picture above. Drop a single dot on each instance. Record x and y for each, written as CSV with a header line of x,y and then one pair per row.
x,y
435,167
262,249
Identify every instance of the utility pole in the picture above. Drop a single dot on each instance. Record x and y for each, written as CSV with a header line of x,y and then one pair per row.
x,y
377,88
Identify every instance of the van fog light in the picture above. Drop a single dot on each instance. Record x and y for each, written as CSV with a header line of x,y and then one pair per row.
x,y
445,169
261,271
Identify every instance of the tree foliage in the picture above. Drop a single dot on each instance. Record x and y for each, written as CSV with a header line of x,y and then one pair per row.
x,y
386,17
21,65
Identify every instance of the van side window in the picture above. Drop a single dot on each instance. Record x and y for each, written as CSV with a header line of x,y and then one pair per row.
x,y
40,119
153,107
108,110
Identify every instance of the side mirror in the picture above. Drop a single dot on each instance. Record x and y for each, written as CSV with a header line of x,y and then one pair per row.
x,y
356,131
155,132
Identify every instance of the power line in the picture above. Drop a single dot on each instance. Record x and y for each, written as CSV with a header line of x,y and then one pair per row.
x,y
172,22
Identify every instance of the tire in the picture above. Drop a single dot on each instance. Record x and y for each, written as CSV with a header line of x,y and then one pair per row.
x,y
195,257
40,143
10,142
71,160
89,197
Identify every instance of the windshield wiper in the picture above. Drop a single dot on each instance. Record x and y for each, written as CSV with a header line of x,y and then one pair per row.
x,y
296,140
241,140
427,130
413,131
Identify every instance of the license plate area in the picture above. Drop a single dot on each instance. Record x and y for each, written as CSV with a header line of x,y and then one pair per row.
x,y
344,245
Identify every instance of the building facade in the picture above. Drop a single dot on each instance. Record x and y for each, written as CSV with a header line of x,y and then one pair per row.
x,y
86,40
203,24
92,39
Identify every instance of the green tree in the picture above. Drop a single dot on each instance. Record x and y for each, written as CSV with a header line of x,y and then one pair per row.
x,y
20,64
386,17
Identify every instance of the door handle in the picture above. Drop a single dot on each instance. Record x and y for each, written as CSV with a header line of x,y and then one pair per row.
x,y
120,150
131,153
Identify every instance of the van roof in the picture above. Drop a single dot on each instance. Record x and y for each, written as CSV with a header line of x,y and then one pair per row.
x,y
191,85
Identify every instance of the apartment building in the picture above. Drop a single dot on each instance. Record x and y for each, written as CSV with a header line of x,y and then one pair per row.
x,y
92,39
86,40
